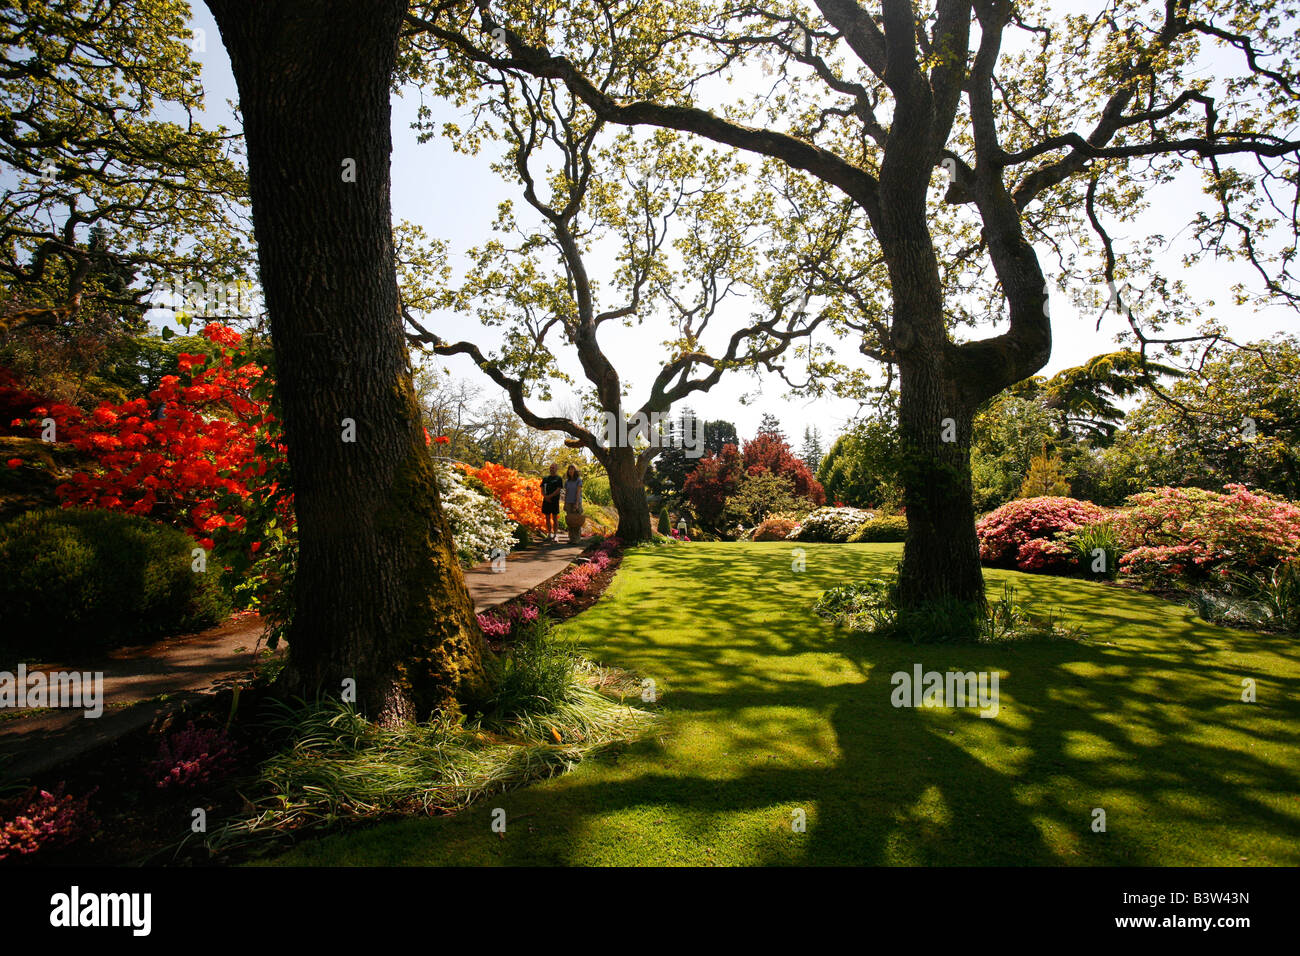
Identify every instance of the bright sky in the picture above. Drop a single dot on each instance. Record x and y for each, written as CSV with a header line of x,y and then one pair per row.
x,y
455,197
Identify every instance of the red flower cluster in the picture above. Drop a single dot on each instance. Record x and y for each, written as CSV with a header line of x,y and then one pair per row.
x,y
193,757
187,454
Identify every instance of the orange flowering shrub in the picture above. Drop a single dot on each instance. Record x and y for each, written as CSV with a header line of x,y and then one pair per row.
x,y
520,495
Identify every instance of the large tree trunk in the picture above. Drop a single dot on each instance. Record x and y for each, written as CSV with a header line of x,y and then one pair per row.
x,y
627,488
941,553
380,598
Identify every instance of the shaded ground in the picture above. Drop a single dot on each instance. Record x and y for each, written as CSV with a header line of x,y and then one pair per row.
x,y
771,713
142,682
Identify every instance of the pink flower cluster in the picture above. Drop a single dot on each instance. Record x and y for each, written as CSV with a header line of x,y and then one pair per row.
x,y
1172,534
499,622
42,819
1022,533
192,757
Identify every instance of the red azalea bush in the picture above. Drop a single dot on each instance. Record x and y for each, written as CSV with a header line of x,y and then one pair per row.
x,y
774,529
770,452
202,452
193,757
1186,535
1023,533
187,454
713,480
41,819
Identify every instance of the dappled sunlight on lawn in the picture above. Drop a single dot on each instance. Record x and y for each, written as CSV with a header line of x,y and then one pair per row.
x,y
769,711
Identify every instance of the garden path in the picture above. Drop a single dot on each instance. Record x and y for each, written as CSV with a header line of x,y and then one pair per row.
x,y
141,683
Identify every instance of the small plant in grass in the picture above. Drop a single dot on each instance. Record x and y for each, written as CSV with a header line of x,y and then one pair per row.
x,y
872,606
864,605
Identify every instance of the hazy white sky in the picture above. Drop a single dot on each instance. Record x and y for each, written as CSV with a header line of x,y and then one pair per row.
x,y
455,197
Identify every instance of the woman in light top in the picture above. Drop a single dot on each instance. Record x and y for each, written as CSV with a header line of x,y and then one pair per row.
x,y
573,515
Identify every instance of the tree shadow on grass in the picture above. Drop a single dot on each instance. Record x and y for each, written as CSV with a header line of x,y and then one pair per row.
x,y
773,712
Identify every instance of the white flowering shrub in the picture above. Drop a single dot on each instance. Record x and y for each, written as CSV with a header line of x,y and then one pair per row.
x,y
479,524
831,524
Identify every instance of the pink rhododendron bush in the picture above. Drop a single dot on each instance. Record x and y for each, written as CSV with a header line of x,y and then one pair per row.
x,y
1189,535
1029,533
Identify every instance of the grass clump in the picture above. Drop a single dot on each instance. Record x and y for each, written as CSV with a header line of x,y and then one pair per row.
x,y
551,711
872,606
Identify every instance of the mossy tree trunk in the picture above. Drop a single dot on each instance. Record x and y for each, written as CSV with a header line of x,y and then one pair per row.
x,y
626,469
380,598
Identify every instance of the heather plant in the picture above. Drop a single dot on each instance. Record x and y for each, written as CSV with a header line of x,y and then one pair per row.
x,y
39,820
193,757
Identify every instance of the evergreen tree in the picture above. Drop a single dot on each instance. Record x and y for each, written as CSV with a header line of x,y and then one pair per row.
x,y
812,453
1045,477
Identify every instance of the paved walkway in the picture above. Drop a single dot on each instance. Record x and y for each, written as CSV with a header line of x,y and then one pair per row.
x,y
141,683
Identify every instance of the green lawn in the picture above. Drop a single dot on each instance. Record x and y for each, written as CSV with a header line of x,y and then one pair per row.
x,y
768,710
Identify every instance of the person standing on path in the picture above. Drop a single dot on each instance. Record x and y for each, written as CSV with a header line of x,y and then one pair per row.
x,y
573,516
552,485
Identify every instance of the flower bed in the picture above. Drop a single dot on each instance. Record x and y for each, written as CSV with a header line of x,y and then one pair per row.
x,y
560,597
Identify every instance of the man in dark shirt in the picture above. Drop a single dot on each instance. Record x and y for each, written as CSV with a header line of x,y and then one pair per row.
x,y
552,485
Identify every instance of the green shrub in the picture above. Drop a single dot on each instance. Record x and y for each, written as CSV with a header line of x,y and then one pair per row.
x,y
535,675
665,526
1280,590
884,528
595,489
73,579
1086,540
